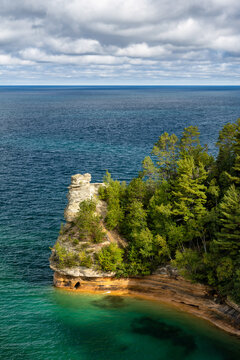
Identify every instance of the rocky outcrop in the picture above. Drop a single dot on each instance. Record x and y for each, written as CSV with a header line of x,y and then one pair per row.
x,y
82,189
81,272
79,190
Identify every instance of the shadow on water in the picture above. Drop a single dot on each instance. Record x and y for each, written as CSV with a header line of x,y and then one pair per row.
x,y
110,302
189,344
162,331
96,342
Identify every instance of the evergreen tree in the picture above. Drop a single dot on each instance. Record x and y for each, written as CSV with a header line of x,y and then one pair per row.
x,y
225,144
189,190
228,239
190,146
184,207
189,142
235,178
137,191
166,151
135,220
113,192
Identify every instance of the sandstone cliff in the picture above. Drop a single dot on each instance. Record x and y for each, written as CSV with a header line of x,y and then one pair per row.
x,y
79,190
82,189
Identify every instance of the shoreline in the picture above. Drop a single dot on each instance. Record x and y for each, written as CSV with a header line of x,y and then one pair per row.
x,y
178,293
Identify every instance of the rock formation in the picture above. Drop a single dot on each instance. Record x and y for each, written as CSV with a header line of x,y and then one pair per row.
x,y
79,190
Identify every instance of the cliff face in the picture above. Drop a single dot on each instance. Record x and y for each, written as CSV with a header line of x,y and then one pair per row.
x,y
79,190
165,286
68,240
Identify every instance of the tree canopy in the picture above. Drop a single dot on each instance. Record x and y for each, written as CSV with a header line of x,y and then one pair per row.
x,y
184,209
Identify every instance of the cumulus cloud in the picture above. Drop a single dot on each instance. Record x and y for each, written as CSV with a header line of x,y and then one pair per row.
x,y
120,41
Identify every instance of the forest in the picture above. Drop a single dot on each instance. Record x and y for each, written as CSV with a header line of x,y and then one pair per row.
x,y
182,209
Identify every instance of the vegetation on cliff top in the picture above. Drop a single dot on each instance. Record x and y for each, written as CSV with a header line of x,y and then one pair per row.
x,y
76,243
184,207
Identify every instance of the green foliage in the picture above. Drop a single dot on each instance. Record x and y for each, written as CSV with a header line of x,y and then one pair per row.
x,y
225,145
162,249
64,258
88,222
62,229
135,265
190,146
213,193
75,241
235,177
115,214
137,191
226,155
84,259
228,239
110,258
189,189
190,264
112,192
150,171
225,269
184,207
190,143
166,151
135,220
143,241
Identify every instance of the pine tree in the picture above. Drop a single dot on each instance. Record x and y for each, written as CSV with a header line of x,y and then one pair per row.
x,y
166,151
228,239
225,144
190,142
236,167
190,146
189,189
135,220
234,171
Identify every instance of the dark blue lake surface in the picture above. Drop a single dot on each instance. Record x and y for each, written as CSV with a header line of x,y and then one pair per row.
x,y
48,134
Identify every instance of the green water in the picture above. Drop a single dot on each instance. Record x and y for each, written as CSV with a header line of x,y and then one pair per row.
x,y
55,324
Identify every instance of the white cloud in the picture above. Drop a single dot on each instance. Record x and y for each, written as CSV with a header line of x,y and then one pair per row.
x,y
78,46
8,60
227,43
143,50
153,38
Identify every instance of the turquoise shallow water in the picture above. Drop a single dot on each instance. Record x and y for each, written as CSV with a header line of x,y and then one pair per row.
x,y
54,324
48,134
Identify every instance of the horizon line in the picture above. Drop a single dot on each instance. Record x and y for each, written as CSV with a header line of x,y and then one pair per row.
x,y
152,85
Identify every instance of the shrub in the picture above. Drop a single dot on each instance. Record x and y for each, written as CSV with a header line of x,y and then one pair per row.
x,y
75,241
62,229
98,234
85,260
64,258
110,257
88,222
113,193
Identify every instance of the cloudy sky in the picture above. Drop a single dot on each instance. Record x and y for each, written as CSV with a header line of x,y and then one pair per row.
x,y
120,42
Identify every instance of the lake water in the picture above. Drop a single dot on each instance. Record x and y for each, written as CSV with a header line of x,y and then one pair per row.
x,y
48,134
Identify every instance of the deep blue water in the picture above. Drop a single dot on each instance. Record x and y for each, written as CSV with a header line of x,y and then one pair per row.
x,y
48,134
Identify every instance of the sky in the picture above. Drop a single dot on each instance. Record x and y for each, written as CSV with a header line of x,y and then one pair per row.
x,y
120,42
